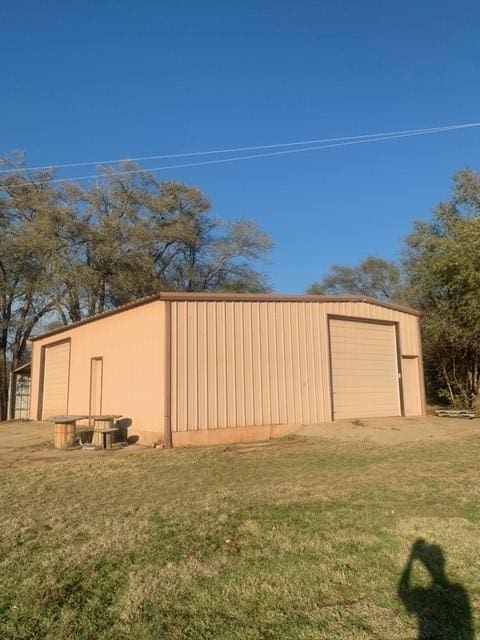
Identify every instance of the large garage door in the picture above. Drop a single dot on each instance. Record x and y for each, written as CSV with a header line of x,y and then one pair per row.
x,y
55,380
364,365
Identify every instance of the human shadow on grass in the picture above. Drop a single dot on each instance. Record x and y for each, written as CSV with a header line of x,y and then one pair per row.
x,y
443,608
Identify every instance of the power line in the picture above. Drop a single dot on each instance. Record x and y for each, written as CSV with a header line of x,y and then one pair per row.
x,y
251,148
252,156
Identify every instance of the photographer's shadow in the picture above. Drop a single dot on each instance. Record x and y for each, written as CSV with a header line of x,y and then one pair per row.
x,y
443,608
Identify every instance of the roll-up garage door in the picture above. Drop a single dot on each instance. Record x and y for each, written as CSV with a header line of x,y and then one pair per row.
x,y
365,381
55,379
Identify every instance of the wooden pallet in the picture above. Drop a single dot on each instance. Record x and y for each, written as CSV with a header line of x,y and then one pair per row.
x,y
455,413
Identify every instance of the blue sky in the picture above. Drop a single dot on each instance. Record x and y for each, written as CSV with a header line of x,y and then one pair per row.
x,y
96,80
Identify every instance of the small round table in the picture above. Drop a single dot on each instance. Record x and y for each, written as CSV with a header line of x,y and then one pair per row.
x,y
64,430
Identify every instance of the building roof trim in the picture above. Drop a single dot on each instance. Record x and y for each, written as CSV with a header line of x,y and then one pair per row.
x,y
24,368
179,296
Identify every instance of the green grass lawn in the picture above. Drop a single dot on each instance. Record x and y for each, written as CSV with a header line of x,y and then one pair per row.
x,y
304,539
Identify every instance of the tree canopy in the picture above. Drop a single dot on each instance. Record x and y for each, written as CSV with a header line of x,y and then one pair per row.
x,y
442,270
373,277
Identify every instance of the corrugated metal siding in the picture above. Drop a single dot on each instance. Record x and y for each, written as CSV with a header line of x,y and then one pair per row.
x,y
238,364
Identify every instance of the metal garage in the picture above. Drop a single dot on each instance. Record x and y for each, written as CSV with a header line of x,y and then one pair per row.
x,y
188,368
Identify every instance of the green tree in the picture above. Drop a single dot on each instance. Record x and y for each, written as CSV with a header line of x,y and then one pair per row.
x,y
373,277
442,271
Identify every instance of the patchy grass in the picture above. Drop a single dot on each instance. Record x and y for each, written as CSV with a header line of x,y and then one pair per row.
x,y
298,541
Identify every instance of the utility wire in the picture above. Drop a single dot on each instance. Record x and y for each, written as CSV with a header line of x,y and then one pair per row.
x,y
252,148
249,157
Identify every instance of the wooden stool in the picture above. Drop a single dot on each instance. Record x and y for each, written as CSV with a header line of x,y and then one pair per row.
x,y
107,437
103,430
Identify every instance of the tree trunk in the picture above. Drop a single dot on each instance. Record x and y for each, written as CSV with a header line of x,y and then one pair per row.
x,y
3,387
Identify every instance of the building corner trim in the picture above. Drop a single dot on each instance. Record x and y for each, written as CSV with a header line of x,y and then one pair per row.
x,y
167,372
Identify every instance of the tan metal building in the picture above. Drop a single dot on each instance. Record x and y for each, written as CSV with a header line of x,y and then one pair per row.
x,y
188,368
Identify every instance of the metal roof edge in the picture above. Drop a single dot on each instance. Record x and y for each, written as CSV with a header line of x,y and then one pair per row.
x,y
226,297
